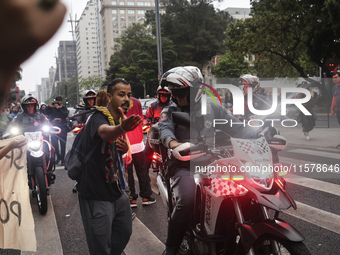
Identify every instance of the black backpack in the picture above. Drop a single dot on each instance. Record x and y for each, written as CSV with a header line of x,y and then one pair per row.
x,y
75,158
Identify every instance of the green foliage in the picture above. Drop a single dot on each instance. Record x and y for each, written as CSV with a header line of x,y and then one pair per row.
x,y
303,34
92,82
66,90
196,29
137,60
231,66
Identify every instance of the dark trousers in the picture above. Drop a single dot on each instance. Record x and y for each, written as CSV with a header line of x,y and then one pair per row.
x,y
148,155
338,116
183,189
59,149
138,160
107,225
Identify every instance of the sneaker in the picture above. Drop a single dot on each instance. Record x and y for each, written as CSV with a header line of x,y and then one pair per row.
x,y
133,216
133,203
148,201
307,138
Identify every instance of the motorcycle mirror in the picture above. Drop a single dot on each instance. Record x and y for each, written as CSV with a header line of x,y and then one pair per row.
x,y
182,118
55,130
278,142
56,120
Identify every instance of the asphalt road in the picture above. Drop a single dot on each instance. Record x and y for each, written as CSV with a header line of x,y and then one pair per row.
x,y
317,217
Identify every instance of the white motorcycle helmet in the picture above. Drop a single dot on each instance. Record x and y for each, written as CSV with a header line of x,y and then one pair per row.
x,y
184,77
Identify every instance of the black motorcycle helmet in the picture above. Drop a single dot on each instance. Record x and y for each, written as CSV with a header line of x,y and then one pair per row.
x,y
27,100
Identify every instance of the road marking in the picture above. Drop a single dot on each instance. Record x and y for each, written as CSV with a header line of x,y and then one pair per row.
x,y
328,187
46,230
143,241
317,153
316,216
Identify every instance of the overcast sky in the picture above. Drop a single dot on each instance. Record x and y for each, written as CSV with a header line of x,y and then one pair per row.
x,y
37,66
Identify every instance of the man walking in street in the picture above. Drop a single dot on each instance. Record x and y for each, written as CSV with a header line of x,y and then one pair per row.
x,y
104,205
335,108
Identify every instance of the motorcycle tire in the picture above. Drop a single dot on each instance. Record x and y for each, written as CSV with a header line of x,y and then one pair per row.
x,y
40,187
263,247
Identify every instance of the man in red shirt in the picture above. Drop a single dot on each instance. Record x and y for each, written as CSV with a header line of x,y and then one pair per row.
x,y
138,160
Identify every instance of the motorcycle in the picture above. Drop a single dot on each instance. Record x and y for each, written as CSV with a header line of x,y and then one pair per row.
x,y
40,162
235,211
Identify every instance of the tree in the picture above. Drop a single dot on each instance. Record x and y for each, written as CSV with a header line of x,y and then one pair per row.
x,y
304,34
231,66
136,61
195,28
67,90
92,82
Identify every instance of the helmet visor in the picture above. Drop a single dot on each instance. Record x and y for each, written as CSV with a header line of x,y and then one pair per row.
x,y
179,93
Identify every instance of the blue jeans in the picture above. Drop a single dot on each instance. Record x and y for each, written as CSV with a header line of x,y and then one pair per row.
x,y
108,225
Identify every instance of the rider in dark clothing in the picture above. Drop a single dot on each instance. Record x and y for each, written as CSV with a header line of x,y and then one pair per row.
x,y
184,82
57,114
152,116
30,118
89,99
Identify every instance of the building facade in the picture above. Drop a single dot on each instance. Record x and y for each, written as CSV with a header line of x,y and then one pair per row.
x,y
67,63
88,42
116,17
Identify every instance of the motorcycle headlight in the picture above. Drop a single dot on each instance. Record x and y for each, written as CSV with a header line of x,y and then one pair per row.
x,y
261,175
14,131
34,145
46,129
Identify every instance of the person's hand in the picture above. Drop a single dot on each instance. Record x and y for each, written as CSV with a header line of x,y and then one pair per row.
x,y
122,145
17,143
129,124
174,144
24,27
332,112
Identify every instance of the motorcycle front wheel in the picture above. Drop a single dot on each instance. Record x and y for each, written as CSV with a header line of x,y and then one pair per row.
x,y
275,245
40,188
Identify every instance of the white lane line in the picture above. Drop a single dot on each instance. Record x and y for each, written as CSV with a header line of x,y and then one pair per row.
x,y
316,216
317,153
143,241
330,188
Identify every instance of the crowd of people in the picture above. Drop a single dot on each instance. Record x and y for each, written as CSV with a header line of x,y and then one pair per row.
x,y
105,206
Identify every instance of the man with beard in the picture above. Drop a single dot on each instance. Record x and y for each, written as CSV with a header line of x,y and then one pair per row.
x,y
104,206
14,112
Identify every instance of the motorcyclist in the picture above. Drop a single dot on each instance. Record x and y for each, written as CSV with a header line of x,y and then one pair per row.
x,y
89,98
184,84
30,118
260,101
152,116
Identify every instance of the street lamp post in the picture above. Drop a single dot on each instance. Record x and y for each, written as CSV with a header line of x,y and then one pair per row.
x,y
159,41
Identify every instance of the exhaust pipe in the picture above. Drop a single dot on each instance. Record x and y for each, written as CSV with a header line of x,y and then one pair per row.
x,y
162,190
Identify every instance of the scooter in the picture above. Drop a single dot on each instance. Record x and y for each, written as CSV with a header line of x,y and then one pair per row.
x,y
40,163
239,196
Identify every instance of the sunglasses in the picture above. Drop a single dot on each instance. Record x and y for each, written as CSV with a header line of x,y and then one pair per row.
x,y
179,93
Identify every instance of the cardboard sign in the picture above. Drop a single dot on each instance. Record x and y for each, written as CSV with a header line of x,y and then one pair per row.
x,y
16,219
